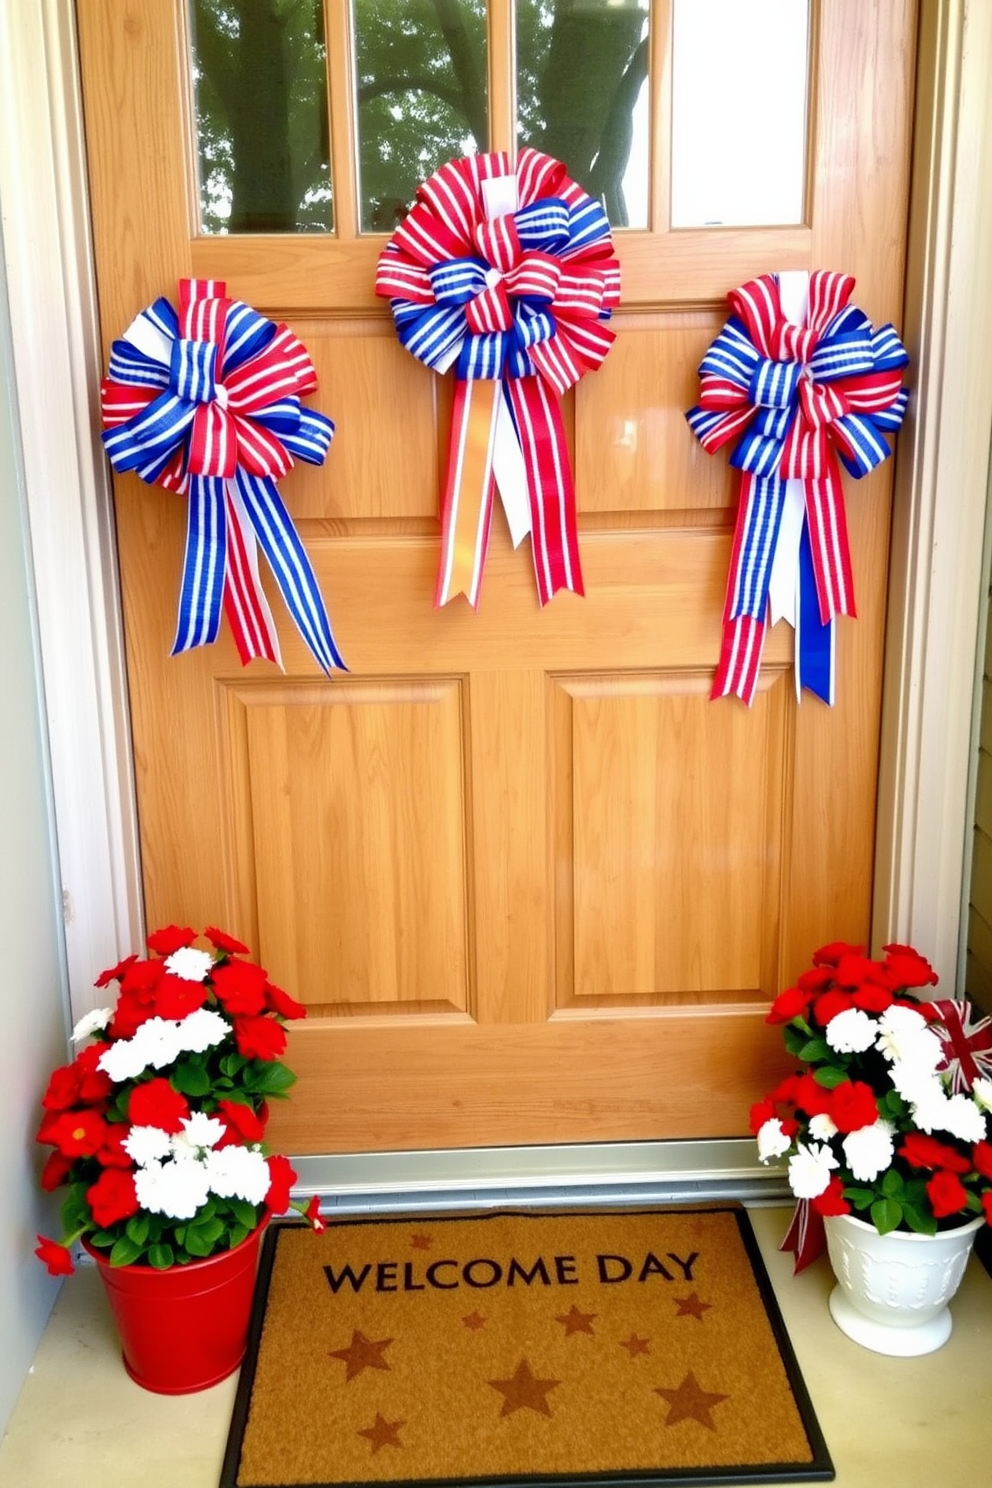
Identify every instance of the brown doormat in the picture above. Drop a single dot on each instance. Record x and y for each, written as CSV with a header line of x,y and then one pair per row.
x,y
592,1347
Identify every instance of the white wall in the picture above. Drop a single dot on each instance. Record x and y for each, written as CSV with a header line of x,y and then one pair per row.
x,y
33,984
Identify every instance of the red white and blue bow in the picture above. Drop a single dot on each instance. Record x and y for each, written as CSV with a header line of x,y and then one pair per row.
x,y
966,1039
206,402
799,386
507,275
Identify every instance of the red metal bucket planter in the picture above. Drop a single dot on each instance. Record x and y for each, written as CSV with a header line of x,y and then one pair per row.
x,y
185,1328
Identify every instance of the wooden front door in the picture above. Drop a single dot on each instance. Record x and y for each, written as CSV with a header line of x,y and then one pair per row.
x,y
532,884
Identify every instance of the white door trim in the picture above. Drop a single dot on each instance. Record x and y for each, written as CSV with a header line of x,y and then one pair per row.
x,y
939,516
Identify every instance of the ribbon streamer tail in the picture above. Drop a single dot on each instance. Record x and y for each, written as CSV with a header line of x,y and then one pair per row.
x,y
245,604
202,589
290,566
815,666
468,497
805,1237
554,528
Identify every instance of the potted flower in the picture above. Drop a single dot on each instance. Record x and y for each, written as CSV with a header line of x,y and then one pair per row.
x,y
157,1131
885,1128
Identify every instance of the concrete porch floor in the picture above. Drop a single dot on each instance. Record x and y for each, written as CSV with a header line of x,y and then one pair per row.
x,y
915,1423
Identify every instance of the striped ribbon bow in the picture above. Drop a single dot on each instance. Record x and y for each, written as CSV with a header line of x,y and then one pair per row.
x,y
206,402
799,387
508,277
966,1039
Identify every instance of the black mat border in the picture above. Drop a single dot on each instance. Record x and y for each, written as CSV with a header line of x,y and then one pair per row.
x,y
820,1470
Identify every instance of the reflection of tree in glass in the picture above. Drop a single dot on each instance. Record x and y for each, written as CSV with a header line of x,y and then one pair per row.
x,y
422,99
261,107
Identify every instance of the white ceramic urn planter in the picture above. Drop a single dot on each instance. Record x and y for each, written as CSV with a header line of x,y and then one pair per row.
x,y
892,1290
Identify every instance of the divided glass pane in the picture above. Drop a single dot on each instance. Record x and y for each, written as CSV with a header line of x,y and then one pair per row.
x,y
260,87
740,75
582,69
423,97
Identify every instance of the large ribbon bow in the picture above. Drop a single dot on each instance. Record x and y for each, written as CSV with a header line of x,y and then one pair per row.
x,y
206,402
799,387
507,275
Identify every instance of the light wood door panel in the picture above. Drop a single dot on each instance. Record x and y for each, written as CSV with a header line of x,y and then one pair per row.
x,y
533,886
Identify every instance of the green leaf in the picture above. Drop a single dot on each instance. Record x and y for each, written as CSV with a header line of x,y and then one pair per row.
x,y
919,1220
161,1256
102,1239
892,1184
271,1078
886,1215
246,1214
125,1252
859,1197
138,1227
830,1076
238,1233
209,1230
892,1105
232,1064
815,1050
794,1039
197,1244
191,1079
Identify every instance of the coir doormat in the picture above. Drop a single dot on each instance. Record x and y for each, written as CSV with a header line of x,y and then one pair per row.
x,y
613,1346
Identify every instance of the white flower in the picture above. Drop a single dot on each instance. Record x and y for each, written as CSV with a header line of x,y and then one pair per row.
x,y
809,1170
772,1140
851,1032
915,1084
189,963
964,1120
201,1130
981,1089
202,1030
146,1144
159,1040
124,1060
238,1172
177,1189
903,1035
869,1150
93,1022
822,1127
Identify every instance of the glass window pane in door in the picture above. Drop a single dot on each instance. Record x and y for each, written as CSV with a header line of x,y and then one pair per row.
x,y
740,77
423,96
260,89
582,96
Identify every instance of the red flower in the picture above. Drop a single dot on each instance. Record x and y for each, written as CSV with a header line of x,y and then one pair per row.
x,y
112,1197
94,1084
172,938
947,1194
243,1125
77,1133
872,998
853,968
312,1213
280,1002
225,942
852,1106
63,1089
240,987
987,1206
760,1113
981,1156
259,1038
112,1154
56,1170
55,1256
817,980
177,997
281,1180
811,1096
905,967
829,1004
792,1003
922,1151
832,1200
157,1104
114,971
829,955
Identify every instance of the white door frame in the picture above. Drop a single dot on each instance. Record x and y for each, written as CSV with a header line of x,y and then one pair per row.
x,y
939,515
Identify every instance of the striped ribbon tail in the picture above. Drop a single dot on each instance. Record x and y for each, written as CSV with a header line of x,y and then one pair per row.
x,y
468,498
806,1236
554,530
290,566
245,604
759,517
815,637
202,589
